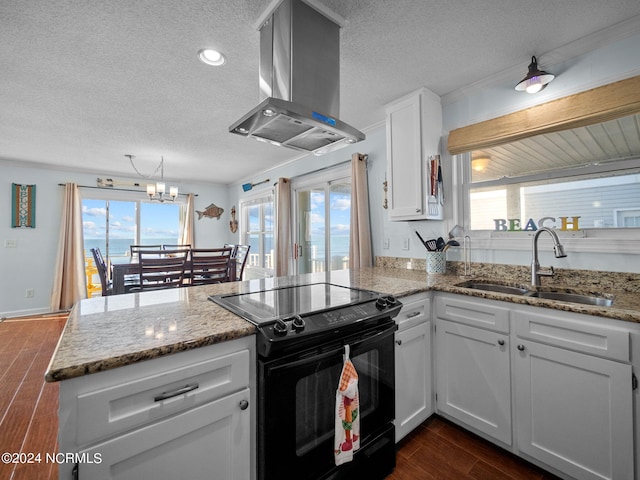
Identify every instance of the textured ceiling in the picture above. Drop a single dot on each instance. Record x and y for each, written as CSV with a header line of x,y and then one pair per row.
x,y
85,82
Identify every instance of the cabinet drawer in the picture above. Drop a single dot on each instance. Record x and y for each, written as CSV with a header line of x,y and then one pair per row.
x,y
570,331
478,314
415,310
114,409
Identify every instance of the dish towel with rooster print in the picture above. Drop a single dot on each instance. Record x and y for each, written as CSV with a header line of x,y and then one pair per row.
x,y
347,435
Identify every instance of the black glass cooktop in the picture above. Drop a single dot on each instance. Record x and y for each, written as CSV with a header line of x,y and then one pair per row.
x,y
266,306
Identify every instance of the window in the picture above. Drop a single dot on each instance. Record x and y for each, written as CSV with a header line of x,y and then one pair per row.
x,y
113,221
256,222
322,205
596,197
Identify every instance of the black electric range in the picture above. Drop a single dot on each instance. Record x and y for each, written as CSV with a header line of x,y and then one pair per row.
x,y
294,317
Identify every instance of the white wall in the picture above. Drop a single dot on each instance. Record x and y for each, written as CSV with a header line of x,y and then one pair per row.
x,y
32,262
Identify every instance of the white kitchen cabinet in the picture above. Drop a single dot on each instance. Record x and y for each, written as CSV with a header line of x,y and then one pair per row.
x,y
473,367
473,384
414,402
574,410
566,377
414,128
186,415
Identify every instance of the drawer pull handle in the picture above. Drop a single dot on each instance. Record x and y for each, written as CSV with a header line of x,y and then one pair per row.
x,y
175,393
244,404
413,314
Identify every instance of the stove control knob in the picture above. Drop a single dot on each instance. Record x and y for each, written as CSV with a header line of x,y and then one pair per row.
x,y
382,303
280,327
391,301
298,323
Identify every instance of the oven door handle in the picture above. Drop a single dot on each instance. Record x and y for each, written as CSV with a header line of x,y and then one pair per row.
x,y
358,343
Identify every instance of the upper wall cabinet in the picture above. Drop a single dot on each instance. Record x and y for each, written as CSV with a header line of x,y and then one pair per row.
x,y
414,127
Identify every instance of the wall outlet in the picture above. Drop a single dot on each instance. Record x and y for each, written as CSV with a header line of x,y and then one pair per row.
x,y
405,243
10,243
29,293
385,243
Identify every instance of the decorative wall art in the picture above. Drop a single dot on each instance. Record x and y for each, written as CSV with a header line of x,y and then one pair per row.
x,y
233,223
212,211
23,206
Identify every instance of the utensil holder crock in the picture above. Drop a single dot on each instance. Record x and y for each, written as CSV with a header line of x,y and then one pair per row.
x,y
436,262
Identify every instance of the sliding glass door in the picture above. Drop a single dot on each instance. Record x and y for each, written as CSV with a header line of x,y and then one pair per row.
x,y
322,221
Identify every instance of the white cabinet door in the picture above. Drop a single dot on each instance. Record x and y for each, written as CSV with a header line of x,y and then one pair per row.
x,y
473,382
414,127
406,200
211,441
574,411
413,378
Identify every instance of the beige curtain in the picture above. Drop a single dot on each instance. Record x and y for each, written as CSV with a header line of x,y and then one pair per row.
x,y
186,223
360,250
283,227
70,282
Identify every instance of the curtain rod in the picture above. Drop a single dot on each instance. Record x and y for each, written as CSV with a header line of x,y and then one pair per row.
x,y
119,189
329,167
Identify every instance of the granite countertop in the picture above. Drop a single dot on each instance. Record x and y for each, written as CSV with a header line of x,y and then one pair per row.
x,y
109,332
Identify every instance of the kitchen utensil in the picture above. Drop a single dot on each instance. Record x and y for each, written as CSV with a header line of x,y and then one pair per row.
x,y
422,240
456,232
433,184
440,189
432,245
440,243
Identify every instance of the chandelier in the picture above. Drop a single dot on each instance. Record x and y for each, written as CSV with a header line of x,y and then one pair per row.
x,y
156,191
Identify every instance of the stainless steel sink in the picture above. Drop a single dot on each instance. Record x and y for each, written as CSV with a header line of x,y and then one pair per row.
x,y
573,298
494,287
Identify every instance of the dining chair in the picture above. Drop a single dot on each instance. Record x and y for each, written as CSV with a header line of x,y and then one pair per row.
x,y
240,254
103,271
210,265
182,246
159,269
134,249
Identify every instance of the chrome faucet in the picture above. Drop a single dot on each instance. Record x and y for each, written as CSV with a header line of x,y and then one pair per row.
x,y
558,249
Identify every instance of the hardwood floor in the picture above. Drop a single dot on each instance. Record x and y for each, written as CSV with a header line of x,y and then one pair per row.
x,y
440,450
28,405
437,450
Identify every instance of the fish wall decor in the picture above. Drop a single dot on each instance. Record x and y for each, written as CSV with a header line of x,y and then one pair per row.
x,y
212,211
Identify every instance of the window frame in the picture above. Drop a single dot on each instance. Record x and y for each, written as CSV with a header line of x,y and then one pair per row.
x,y
118,195
587,240
259,198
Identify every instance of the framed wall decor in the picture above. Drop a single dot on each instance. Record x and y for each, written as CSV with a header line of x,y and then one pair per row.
x,y
23,206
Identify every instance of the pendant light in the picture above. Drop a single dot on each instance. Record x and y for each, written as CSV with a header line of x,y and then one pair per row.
x,y
156,191
535,80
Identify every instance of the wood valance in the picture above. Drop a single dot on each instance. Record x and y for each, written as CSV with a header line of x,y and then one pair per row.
x,y
593,106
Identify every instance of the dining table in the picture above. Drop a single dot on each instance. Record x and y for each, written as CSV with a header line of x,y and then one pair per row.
x,y
119,272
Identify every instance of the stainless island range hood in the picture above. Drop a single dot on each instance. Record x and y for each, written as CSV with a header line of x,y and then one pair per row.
x,y
299,83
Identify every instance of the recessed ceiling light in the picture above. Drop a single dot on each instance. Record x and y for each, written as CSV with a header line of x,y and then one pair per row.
x,y
211,57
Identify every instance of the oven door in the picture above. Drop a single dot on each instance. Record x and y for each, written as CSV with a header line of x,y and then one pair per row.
x,y
297,407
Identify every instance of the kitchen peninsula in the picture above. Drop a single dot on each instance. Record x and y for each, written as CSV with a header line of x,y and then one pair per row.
x,y
112,337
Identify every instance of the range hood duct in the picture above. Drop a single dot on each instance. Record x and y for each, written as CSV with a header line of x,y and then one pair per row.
x,y
299,83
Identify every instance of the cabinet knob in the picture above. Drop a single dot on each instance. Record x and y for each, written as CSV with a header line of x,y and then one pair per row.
x,y
418,210
399,342
501,342
244,404
521,348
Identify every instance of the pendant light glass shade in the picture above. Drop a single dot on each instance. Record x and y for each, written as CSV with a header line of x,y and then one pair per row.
x,y
535,80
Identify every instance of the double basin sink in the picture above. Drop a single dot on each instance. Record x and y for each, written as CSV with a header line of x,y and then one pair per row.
x,y
571,297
